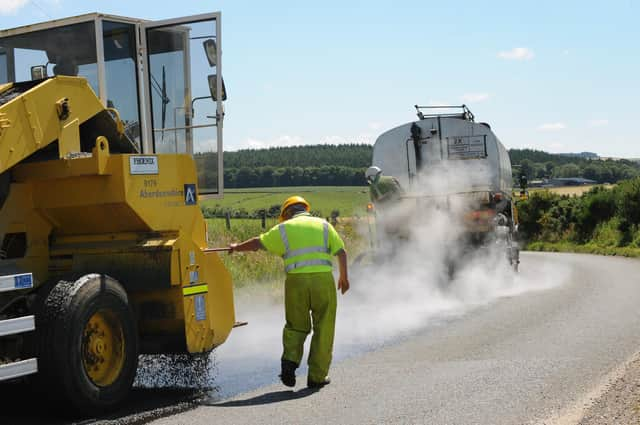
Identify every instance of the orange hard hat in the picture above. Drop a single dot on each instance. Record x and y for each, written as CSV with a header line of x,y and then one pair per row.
x,y
293,200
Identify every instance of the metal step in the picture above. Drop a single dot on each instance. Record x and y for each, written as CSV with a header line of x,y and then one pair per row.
x,y
16,281
18,325
18,369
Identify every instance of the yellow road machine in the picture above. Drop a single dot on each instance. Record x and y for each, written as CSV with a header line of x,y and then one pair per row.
x,y
110,127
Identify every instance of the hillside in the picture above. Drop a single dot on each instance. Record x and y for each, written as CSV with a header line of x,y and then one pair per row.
x,y
317,165
352,155
539,164
344,165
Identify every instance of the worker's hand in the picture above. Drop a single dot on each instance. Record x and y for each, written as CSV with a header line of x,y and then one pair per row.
x,y
343,284
232,248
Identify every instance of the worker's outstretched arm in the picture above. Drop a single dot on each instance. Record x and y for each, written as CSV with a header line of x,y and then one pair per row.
x,y
343,280
252,244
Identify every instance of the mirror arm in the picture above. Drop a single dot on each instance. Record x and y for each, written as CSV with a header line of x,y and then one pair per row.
x,y
193,112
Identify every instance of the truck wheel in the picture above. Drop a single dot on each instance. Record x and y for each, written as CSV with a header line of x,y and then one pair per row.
x,y
90,344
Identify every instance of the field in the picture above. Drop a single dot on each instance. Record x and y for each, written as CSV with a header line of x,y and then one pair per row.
x,y
348,200
568,190
260,268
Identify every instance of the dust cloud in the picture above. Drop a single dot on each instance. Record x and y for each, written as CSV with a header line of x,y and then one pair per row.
x,y
425,268
423,272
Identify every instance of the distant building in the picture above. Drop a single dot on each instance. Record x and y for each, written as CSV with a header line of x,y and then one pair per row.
x,y
537,183
570,181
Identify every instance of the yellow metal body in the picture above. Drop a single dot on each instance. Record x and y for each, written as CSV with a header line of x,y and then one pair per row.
x,y
100,212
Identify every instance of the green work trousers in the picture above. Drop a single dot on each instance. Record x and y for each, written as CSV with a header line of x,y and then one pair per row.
x,y
310,299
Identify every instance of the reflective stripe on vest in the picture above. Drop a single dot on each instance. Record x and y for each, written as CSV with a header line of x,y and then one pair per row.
x,y
299,264
306,250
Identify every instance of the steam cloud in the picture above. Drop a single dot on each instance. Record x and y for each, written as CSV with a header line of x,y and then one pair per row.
x,y
406,287
412,282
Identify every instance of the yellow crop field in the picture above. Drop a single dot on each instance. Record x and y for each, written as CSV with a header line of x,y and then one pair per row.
x,y
568,190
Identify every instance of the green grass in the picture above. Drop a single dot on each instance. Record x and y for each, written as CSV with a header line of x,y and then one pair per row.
x,y
607,239
588,248
348,200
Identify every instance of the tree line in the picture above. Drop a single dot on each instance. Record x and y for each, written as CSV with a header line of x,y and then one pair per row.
x,y
540,165
316,165
269,176
347,155
344,165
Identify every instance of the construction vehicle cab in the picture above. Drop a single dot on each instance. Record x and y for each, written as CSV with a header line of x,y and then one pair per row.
x,y
109,129
161,77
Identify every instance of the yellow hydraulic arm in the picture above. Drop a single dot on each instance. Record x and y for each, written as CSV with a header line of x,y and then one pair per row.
x,y
33,116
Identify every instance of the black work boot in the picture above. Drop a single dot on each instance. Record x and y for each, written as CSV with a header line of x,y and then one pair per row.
x,y
288,373
313,384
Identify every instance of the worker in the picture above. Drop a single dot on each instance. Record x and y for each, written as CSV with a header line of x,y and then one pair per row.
x,y
392,220
306,244
383,189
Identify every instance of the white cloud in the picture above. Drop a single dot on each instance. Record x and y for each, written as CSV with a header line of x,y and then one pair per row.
x,y
284,140
517,53
366,138
252,143
474,97
598,123
555,146
375,125
552,126
333,140
288,140
10,7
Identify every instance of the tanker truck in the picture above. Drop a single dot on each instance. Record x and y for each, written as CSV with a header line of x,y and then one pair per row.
x,y
445,161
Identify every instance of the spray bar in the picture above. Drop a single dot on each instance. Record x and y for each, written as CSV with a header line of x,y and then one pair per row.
x,y
219,249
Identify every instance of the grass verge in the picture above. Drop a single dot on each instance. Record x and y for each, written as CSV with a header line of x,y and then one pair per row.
x,y
589,248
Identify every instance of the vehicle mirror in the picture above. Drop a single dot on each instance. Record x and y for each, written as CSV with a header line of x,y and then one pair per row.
x,y
213,88
38,72
211,50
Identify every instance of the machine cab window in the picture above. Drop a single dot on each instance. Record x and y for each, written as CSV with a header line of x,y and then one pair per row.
x,y
162,78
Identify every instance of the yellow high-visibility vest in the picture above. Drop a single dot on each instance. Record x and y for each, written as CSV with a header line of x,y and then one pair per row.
x,y
305,243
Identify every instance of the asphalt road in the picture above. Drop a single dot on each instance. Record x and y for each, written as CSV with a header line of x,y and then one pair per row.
x,y
521,356
519,359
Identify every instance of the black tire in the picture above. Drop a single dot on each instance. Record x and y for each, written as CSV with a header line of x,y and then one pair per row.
x,y
63,326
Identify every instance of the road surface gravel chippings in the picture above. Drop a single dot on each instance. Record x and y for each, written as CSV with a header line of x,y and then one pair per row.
x,y
520,359
620,404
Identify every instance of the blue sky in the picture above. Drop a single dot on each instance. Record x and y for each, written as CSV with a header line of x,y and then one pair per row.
x,y
556,76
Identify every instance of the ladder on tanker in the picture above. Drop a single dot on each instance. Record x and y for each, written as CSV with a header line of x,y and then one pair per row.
x,y
465,113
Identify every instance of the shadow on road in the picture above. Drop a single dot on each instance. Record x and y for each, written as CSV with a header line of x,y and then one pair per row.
x,y
20,406
268,398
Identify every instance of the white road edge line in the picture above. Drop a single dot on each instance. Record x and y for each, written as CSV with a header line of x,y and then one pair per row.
x,y
572,415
